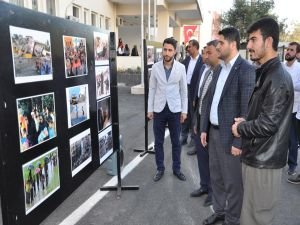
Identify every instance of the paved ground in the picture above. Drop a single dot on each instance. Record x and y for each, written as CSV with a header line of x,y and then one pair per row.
x,y
163,203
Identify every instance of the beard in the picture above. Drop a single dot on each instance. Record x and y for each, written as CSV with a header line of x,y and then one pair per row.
x,y
168,58
289,58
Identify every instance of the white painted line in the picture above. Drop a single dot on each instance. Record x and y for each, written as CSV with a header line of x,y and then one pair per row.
x,y
85,207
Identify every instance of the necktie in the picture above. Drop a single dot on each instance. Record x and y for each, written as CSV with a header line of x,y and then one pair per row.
x,y
204,88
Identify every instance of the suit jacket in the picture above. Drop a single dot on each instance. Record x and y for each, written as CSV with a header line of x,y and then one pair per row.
x,y
195,75
233,102
172,91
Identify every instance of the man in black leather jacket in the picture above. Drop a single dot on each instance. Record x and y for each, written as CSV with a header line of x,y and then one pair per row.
x,y
265,132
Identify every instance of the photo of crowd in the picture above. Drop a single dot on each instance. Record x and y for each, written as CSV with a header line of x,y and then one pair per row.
x,y
102,81
103,113
80,151
75,56
36,120
150,55
32,58
105,144
77,104
41,179
101,48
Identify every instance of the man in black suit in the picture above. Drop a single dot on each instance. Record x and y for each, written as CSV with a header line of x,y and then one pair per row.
x,y
192,64
227,99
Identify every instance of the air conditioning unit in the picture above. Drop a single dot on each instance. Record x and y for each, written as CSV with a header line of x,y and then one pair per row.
x,y
73,18
119,21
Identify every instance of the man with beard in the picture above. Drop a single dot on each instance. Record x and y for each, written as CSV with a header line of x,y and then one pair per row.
x,y
167,104
293,67
265,131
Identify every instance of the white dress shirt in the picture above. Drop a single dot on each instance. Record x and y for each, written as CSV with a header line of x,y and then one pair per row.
x,y
226,68
191,68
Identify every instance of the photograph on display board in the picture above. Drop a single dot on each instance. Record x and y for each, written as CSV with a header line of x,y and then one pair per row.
x,y
158,55
41,179
36,120
80,151
75,56
105,144
102,81
101,48
150,55
77,104
103,113
32,57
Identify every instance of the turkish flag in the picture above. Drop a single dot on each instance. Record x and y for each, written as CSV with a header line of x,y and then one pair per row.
x,y
189,31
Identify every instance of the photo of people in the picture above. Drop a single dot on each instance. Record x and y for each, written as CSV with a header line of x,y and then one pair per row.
x,y
36,120
105,144
103,113
80,151
101,48
31,52
150,55
77,104
41,179
75,56
158,55
102,81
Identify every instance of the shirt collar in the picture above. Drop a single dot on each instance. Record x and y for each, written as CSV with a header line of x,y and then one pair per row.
x,y
230,63
196,59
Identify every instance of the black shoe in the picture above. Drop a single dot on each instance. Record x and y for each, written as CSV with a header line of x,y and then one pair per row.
x,y
208,201
179,175
294,179
192,152
159,174
199,192
183,141
213,219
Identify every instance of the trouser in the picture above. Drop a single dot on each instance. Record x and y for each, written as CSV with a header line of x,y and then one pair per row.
x,y
293,143
160,121
261,195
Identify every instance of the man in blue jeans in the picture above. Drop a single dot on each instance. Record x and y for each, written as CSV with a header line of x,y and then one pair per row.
x,y
167,104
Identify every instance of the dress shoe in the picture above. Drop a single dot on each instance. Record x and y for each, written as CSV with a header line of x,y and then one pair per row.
x,y
208,201
159,174
213,219
179,175
199,192
183,141
192,152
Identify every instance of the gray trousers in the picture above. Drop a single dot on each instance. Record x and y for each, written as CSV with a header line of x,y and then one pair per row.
x,y
261,195
226,179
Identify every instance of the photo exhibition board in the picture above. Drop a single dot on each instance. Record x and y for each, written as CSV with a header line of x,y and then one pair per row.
x,y
55,95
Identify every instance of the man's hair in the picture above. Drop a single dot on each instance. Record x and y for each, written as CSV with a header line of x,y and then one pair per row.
x,y
194,43
231,34
297,46
212,43
268,28
170,41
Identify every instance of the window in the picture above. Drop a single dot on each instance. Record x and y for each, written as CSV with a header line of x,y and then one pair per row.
x,y
101,21
75,11
107,23
85,16
17,2
51,7
35,5
93,19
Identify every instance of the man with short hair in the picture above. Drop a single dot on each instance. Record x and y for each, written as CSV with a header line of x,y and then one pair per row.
x,y
264,131
293,67
167,104
227,98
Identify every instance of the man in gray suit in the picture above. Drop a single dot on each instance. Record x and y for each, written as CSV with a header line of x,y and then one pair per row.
x,y
228,97
167,104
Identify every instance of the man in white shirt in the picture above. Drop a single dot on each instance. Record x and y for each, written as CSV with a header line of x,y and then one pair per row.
x,y
167,104
293,67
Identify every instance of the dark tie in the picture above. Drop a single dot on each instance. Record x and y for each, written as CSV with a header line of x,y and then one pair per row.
x,y
204,87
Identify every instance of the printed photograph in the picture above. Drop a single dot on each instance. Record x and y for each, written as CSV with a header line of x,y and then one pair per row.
x,y
102,81
158,55
105,144
150,55
77,104
75,56
36,120
101,48
41,179
32,57
103,113
80,151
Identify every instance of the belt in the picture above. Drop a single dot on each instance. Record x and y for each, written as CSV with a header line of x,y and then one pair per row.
x,y
215,126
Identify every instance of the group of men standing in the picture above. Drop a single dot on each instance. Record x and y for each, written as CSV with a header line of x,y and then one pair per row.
x,y
241,118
